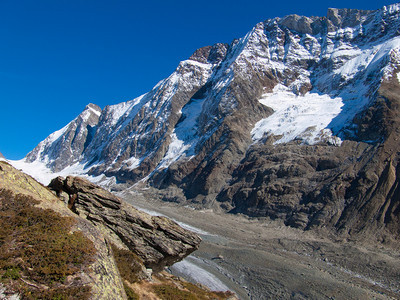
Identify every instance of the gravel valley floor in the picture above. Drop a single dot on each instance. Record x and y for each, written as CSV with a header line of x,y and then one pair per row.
x,y
261,259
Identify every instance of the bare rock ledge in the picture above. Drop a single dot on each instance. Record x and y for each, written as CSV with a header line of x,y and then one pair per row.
x,y
159,241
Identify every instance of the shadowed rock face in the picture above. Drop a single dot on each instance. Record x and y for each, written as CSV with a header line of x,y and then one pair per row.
x,y
158,241
352,189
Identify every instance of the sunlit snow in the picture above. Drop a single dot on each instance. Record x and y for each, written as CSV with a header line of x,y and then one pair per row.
x,y
364,58
183,137
38,170
131,107
398,76
190,269
55,135
132,163
297,117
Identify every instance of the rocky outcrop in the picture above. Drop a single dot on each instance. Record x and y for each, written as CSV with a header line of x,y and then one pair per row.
x,y
158,241
103,276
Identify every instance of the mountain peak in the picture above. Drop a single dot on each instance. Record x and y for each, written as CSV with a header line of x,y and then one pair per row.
x,y
94,107
302,24
75,136
210,54
90,114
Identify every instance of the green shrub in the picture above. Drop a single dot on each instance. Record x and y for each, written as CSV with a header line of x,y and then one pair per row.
x,y
129,264
203,294
130,293
187,291
70,293
170,292
12,273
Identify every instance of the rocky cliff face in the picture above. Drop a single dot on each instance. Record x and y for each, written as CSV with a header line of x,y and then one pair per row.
x,y
352,188
159,241
296,120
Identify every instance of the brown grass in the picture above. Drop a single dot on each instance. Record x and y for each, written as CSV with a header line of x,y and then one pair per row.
x,y
130,266
171,287
38,250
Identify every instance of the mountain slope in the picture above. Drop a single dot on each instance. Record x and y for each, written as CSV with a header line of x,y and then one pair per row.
x,y
296,120
97,247
65,146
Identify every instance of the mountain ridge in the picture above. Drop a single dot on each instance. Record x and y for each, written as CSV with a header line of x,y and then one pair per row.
x,y
195,132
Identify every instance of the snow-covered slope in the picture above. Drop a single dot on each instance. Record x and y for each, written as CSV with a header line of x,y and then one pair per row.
x,y
305,117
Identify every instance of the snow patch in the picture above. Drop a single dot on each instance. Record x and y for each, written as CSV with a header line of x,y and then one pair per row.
x,y
391,9
364,58
6,296
132,163
196,63
191,270
88,112
193,229
96,112
38,170
398,76
55,135
184,137
116,111
176,149
298,117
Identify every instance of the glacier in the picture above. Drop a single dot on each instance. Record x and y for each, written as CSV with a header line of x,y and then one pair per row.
x,y
303,117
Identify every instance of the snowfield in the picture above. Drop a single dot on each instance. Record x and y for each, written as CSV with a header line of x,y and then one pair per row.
x,y
298,117
183,138
39,171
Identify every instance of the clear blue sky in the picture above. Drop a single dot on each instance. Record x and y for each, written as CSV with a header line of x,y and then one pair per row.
x,y
56,56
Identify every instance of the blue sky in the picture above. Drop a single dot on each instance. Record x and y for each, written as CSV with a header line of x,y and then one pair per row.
x,y
56,56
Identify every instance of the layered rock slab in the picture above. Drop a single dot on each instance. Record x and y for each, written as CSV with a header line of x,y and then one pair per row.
x,y
159,241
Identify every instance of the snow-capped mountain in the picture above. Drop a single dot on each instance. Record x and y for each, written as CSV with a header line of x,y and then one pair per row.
x,y
278,123
66,146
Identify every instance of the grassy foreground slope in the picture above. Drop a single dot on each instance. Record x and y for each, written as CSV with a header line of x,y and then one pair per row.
x,y
49,252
